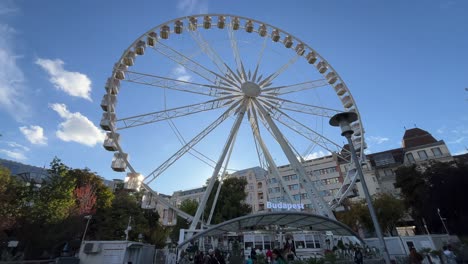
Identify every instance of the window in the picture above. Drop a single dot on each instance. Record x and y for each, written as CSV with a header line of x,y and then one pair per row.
x,y
422,154
410,157
436,152
293,187
296,197
388,172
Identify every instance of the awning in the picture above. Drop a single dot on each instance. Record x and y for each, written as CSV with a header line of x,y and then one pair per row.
x,y
285,220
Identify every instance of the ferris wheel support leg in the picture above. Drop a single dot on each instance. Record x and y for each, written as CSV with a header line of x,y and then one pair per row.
x,y
319,204
235,128
271,163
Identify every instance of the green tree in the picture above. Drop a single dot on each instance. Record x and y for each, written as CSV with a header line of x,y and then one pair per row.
x,y
188,206
110,223
231,200
389,211
439,185
13,199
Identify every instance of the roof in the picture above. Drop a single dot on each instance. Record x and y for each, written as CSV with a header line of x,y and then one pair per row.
x,y
291,220
417,137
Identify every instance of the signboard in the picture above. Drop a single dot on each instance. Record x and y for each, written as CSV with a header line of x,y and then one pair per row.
x,y
286,206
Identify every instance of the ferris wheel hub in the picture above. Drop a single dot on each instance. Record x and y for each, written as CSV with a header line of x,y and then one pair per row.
x,y
251,89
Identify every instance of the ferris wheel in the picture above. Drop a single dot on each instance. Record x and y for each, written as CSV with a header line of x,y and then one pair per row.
x,y
220,90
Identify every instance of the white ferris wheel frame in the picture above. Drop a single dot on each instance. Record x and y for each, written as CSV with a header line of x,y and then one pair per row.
x,y
266,109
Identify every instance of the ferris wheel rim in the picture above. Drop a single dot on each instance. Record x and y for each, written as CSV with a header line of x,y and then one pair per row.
x,y
296,40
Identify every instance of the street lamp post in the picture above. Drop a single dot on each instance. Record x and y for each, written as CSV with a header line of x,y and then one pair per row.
x,y
443,221
86,228
344,120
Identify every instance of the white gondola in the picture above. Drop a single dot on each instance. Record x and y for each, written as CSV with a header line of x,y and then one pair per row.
x,y
193,23
207,22
262,30
119,162
107,121
340,89
235,23
108,102
112,86
347,102
178,27
331,77
221,22
133,181
300,49
164,32
249,26
140,47
129,59
322,67
311,57
353,192
111,141
356,128
358,145
288,42
275,36
152,38
120,70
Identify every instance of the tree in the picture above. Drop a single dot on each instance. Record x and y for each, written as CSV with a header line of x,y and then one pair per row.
x,y
86,199
439,185
87,185
389,211
231,200
13,199
188,206
111,223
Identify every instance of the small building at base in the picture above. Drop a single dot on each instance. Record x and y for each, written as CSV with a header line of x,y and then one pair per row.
x,y
116,252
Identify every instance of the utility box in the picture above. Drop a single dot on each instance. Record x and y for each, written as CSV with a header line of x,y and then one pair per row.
x,y
115,252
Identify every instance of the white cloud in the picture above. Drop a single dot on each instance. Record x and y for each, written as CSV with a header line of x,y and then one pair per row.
x,y
72,83
456,141
316,155
34,134
77,128
181,74
377,139
14,154
441,130
11,76
192,6
16,145
460,152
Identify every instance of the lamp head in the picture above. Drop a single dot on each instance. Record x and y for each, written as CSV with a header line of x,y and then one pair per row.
x,y
344,120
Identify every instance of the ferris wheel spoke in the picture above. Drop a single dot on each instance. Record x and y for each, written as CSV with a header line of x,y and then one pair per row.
x,y
268,80
264,152
191,65
259,60
317,200
285,89
305,131
285,104
178,85
229,144
214,57
235,50
139,120
154,174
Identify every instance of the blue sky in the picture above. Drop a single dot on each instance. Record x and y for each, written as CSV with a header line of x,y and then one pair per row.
x,y
405,62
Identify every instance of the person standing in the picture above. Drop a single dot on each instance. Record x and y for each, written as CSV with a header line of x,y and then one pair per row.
x,y
415,257
358,257
449,255
269,256
277,257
